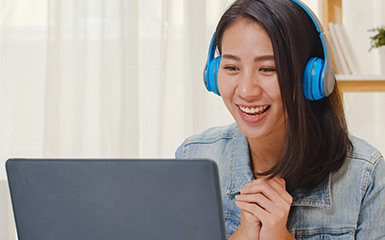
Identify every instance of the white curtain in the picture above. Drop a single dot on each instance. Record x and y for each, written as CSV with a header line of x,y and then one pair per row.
x,y
103,79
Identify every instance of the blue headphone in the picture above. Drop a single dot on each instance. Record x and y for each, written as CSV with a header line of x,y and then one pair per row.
x,y
318,76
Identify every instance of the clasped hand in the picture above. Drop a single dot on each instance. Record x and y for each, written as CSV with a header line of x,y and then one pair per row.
x,y
265,206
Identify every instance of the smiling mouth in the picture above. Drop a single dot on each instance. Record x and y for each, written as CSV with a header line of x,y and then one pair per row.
x,y
254,111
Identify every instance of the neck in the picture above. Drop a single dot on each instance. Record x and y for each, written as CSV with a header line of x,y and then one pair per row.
x,y
265,152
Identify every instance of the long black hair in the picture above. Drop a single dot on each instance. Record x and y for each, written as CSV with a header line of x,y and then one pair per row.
x,y
316,141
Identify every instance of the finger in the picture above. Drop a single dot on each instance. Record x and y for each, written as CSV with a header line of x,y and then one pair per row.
x,y
267,219
272,189
253,209
279,186
272,209
267,213
268,200
258,199
260,186
248,216
250,186
280,181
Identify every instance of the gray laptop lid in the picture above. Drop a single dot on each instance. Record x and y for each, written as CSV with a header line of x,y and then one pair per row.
x,y
116,199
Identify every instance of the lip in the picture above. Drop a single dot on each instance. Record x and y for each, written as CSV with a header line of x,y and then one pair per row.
x,y
250,119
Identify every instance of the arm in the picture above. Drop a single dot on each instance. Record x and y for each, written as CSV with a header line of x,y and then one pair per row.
x,y
265,206
249,228
371,220
178,152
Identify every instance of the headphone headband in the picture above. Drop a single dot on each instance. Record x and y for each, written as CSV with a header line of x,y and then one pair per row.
x,y
311,14
327,76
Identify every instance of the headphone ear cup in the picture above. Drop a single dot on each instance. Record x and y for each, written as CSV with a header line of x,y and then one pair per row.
x,y
313,79
212,75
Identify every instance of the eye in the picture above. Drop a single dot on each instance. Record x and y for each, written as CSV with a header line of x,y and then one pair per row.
x,y
231,68
266,70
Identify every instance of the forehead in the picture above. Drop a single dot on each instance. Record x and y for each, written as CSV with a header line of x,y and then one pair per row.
x,y
246,36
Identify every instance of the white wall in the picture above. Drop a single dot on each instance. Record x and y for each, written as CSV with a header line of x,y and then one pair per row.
x,y
7,228
365,111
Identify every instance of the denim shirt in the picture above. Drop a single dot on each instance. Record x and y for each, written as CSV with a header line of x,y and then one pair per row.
x,y
350,205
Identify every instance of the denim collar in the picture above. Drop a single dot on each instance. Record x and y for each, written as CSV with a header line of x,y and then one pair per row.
x,y
318,197
240,175
239,166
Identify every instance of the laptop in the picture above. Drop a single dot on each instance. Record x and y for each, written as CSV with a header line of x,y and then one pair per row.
x,y
71,199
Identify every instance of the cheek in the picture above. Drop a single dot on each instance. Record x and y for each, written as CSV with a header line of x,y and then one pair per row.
x,y
275,91
220,82
277,98
277,94
226,85
226,90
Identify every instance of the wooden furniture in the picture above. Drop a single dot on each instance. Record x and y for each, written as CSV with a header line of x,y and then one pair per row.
x,y
361,83
331,11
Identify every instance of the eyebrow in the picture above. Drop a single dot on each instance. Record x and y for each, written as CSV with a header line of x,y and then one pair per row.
x,y
256,59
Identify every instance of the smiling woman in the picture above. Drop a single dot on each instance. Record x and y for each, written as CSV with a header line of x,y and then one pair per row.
x,y
248,81
287,164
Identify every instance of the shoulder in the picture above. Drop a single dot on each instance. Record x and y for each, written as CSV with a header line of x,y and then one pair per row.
x,y
363,152
212,135
361,168
351,199
365,160
209,142
366,173
362,160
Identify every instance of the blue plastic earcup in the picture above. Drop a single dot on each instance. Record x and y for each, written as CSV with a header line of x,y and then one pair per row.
x,y
313,79
212,75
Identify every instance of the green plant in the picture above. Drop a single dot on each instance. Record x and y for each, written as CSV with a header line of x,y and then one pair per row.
x,y
377,40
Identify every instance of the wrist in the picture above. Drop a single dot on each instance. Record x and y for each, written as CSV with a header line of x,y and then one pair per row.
x,y
244,233
289,236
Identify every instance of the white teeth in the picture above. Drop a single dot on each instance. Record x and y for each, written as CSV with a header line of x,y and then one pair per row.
x,y
254,110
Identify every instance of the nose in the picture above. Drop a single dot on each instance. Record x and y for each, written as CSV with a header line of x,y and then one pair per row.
x,y
249,87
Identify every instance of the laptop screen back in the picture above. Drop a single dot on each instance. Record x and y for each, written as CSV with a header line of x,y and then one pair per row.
x,y
116,199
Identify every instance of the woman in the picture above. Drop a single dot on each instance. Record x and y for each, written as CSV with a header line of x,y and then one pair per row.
x,y
288,168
